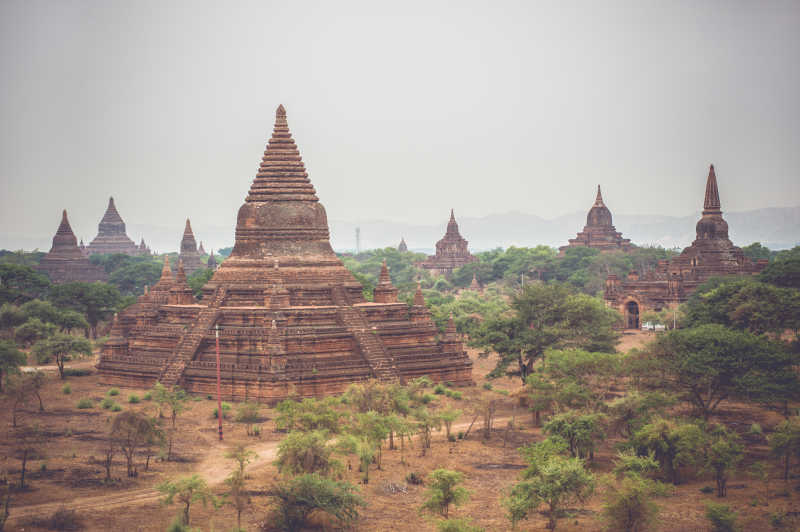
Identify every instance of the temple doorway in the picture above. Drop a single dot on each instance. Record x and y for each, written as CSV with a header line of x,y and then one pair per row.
x,y
632,313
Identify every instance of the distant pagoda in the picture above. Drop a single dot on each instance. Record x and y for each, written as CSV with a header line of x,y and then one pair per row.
x,y
190,256
292,319
599,232
402,246
212,261
672,282
66,262
451,251
111,236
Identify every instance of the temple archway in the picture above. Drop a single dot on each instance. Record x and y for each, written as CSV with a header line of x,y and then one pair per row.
x,y
632,315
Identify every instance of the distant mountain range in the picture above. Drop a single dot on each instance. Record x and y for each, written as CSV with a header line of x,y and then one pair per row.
x,y
776,228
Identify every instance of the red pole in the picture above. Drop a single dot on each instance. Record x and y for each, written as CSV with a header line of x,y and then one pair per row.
x,y
219,392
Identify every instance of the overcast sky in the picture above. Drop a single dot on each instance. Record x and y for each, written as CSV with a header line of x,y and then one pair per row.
x,y
400,112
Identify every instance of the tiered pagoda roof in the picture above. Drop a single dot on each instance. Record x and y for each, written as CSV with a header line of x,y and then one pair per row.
x,y
451,251
192,258
599,232
66,262
111,236
292,318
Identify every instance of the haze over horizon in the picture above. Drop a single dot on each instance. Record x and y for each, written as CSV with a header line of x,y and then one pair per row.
x,y
400,113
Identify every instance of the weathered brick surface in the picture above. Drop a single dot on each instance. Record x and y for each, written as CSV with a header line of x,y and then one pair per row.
x,y
599,231
451,251
66,262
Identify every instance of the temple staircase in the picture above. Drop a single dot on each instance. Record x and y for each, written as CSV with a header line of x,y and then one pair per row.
x,y
190,341
368,341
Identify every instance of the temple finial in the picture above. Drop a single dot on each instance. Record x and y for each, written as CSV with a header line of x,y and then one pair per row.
x,y
384,276
599,198
711,203
419,299
280,111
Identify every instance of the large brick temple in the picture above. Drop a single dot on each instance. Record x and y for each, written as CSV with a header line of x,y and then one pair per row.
x,y
191,257
672,282
111,236
66,262
599,232
292,319
451,251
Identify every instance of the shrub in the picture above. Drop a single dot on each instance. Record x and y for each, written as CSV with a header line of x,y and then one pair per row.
x,y
107,403
62,519
85,403
453,394
116,408
439,389
628,506
460,435
210,397
148,396
444,490
451,437
77,372
113,391
226,409
256,430
487,386
457,525
66,389
427,398
722,518
133,399
414,479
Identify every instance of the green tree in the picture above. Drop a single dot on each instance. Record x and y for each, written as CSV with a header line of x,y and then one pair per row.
x,y
457,525
628,504
97,301
237,495
784,270
10,317
632,411
310,414
674,444
710,363
557,482
723,454
784,443
756,251
542,393
444,490
131,279
61,347
11,359
306,452
363,448
20,387
197,280
297,498
20,283
547,316
448,416
241,455
186,491
132,431
581,431
32,331
722,518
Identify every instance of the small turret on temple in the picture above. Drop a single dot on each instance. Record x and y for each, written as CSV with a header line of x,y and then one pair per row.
x,y
451,251
672,282
66,262
402,246
111,236
190,256
599,232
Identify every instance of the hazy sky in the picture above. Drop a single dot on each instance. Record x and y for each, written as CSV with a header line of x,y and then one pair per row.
x,y
401,110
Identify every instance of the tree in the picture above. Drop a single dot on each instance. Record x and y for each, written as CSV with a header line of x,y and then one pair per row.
x,y
241,455
11,359
674,444
306,452
628,505
448,416
457,525
425,423
176,399
20,387
237,495
558,482
131,279
372,427
756,251
43,310
710,363
187,491
444,490
197,280
309,414
723,454
363,448
20,283
784,270
32,331
297,498
580,431
132,431
547,316
722,518
632,411
785,443
541,395
250,414
10,317
97,301
27,441
62,347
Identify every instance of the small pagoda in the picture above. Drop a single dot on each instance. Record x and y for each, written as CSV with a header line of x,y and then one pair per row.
x,y
451,251
402,246
291,319
66,262
111,236
599,232
672,282
191,257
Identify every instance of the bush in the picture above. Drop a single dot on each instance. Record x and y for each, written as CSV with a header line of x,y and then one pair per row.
x,y
113,392
107,403
148,396
133,399
722,518
415,479
226,409
487,386
453,394
706,489
62,519
77,372
85,403
457,525
116,408
427,398
451,438
439,389
628,506
66,389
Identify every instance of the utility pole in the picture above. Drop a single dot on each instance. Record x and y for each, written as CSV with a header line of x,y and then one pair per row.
x,y
219,391
358,240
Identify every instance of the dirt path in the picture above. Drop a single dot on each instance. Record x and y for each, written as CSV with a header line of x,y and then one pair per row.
x,y
214,468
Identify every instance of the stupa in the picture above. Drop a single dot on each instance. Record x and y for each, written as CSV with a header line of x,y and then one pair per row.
x,y
451,251
292,319
66,262
672,282
212,261
111,236
191,257
402,246
599,232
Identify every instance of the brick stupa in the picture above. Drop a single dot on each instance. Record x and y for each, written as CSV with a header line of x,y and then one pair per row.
x,y
599,232
672,282
66,262
292,319
190,256
451,251
402,246
111,236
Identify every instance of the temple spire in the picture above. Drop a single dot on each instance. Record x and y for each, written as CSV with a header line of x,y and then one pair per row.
x,y
711,204
419,299
384,277
64,228
599,199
